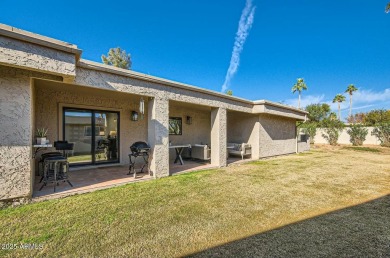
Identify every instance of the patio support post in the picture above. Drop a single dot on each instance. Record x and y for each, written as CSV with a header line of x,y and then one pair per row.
x,y
256,142
218,137
158,137
16,134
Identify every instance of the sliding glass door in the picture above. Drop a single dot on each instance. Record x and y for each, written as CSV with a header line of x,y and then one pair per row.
x,y
95,135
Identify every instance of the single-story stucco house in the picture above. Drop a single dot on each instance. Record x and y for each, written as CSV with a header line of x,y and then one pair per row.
x,y
45,83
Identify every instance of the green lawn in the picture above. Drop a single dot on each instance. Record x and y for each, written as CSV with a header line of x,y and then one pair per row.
x,y
188,213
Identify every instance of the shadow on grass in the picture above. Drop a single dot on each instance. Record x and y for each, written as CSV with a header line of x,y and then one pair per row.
x,y
358,231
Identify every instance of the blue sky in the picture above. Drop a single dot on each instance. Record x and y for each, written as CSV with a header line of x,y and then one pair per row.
x,y
329,43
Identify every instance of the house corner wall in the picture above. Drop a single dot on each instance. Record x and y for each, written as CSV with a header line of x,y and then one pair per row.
x,y
277,136
15,134
304,146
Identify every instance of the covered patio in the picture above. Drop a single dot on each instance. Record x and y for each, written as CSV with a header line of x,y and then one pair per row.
x,y
243,132
91,179
189,127
86,117
99,124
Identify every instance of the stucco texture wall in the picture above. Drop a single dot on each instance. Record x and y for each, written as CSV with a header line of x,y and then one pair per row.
x,y
16,131
244,128
344,137
117,82
196,133
277,136
31,56
304,145
50,95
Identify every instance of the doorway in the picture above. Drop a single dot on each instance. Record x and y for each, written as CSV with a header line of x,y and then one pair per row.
x,y
95,135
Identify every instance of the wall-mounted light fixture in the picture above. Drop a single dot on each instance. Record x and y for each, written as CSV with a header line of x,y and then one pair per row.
x,y
188,120
142,108
134,116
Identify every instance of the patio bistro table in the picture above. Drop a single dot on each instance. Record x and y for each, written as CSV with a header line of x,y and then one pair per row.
x,y
179,150
39,147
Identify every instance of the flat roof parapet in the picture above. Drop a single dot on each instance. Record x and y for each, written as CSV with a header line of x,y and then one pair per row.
x,y
12,32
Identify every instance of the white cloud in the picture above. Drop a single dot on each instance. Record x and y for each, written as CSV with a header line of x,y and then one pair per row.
x,y
244,25
361,99
369,96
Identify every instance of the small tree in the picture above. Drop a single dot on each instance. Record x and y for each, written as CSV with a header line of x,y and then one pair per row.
x,y
118,58
382,132
229,92
387,10
317,112
332,116
357,118
357,134
378,116
332,130
309,128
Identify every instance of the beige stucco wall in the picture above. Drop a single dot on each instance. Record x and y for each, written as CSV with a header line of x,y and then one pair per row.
x,y
121,83
39,58
244,128
158,116
196,133
16,132
345,139
304,146
49,98
278,110
277,136
219,137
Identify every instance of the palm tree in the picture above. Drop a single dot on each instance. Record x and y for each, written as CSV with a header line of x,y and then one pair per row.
x,y
299,86
339,98
351,89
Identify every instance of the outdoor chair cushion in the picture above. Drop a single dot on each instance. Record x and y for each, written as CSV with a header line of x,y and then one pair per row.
x,y
237,147
200,151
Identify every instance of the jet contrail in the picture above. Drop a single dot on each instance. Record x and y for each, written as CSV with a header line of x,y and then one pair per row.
x,y
244,26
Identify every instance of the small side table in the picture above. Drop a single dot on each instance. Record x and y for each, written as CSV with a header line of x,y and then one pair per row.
x,y
39,147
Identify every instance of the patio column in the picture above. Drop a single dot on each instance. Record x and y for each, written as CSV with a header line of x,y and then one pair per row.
x,y
16,128
158,137
218,137
256,140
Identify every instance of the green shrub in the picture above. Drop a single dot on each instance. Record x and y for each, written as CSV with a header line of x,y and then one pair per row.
x,y
357,134
332,128
309,128
382,132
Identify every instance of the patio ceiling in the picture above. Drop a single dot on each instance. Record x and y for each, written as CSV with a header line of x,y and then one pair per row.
x,y
189,106
86,90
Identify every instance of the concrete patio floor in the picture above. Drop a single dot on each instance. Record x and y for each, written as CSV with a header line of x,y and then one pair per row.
x,y
91,179
87,180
